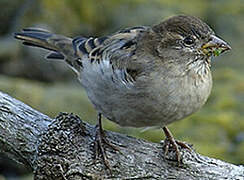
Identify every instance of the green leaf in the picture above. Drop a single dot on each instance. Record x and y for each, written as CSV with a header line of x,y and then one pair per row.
x,y
217,51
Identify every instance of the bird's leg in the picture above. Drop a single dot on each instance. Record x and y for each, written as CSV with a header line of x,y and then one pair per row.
x,y
171,142
101,141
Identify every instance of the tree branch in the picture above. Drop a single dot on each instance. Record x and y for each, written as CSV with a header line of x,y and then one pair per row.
x,y
63,149
20,129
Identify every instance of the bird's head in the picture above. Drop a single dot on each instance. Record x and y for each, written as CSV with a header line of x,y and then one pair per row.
x,y
187,40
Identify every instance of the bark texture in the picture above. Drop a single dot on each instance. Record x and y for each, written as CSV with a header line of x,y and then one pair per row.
x,y
63,149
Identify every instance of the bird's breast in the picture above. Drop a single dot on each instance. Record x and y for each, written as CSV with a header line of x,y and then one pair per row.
x,y
150,101
183,95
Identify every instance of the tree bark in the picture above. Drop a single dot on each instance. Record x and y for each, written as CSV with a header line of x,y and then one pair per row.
x,y
63,148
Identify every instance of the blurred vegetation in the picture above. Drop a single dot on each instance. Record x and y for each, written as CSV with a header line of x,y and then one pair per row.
x,y
217,130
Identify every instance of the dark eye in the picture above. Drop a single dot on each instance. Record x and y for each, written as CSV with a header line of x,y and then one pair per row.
x,y
188,41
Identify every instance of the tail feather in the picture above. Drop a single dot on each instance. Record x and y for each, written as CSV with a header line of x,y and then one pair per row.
x,y
46,40
55,55
37,45
36,29
61,47
35,38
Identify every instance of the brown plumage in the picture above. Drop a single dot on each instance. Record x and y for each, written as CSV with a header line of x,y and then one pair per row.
x,y
141,76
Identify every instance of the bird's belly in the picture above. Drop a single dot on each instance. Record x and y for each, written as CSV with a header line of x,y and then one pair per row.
x,y
156,105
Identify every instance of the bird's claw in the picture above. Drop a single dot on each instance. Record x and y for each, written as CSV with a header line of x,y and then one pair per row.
x,y
99,145
171,143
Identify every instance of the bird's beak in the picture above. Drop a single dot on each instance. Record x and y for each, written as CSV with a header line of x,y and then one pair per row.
x,y
215,46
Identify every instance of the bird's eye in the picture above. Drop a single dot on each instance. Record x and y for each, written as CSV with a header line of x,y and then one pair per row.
x,y
188,41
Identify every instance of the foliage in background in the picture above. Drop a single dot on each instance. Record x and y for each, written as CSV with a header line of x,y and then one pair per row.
x,y
217,130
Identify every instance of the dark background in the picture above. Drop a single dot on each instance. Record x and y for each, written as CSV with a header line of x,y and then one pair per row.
x,y
217,130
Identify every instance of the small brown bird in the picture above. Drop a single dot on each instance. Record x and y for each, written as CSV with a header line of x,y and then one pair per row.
x,y
140,76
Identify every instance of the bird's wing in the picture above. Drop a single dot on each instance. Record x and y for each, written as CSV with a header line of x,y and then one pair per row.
x,y
116,50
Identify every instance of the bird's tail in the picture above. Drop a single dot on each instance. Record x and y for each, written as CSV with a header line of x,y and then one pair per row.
x,y
60,46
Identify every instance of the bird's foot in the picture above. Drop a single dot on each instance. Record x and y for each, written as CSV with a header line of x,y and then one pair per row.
x,y
100,143
170,143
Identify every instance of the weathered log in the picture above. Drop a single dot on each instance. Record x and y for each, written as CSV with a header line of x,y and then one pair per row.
x,y
63,148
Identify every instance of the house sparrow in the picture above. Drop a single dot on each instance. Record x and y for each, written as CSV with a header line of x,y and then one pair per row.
x,y
141,76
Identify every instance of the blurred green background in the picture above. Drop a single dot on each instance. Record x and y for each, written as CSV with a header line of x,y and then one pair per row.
x,y
217,130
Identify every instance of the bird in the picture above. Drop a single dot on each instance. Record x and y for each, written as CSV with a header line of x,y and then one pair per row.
x,y
142,76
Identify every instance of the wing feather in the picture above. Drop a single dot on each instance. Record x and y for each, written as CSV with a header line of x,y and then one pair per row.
x,y
114,51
